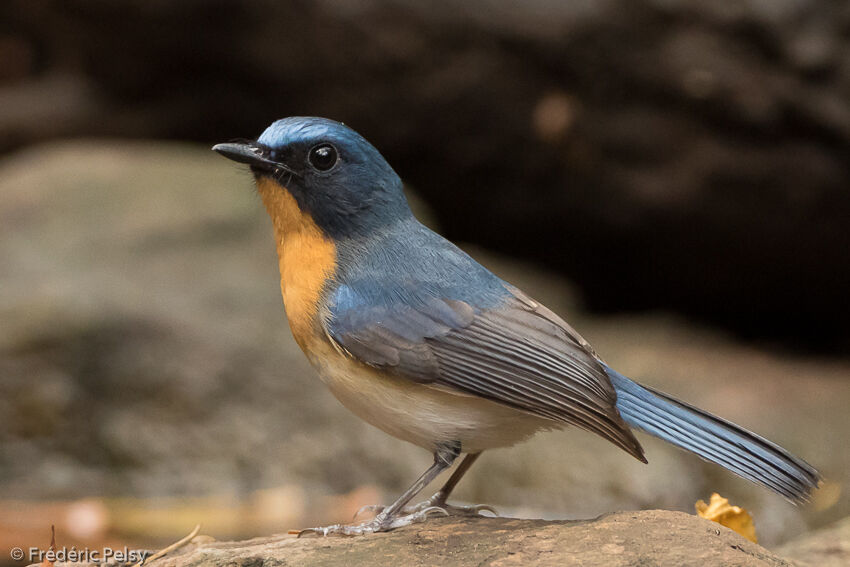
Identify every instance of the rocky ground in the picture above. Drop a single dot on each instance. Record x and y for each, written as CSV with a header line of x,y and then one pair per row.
x,y
620,539
144,353
627,539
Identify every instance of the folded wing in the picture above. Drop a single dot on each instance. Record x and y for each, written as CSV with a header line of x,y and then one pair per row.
x,y
516,353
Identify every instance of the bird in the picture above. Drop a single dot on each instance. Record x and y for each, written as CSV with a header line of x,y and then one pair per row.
x,y
415,337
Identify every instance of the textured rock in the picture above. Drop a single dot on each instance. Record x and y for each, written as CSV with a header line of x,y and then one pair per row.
x,y
652,537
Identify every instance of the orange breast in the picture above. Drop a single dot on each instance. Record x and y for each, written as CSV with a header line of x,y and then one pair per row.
x,y
307,259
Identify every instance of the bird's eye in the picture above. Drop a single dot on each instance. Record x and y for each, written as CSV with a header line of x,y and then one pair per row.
x,y
323,157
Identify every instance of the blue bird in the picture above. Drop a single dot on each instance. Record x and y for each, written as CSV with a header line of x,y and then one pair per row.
x,y
418,339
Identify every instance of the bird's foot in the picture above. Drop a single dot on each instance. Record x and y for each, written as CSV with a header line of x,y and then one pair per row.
x,y
380,523
436,501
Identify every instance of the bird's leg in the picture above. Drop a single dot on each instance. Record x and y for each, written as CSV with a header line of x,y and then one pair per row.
x,y
395,516
438,500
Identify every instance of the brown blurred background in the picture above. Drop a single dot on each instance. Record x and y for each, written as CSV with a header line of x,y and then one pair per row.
x,y
671,176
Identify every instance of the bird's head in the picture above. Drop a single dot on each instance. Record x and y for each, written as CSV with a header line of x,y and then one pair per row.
x,y
336,178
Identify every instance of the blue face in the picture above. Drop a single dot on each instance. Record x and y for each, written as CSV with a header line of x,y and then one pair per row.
x,y
333,173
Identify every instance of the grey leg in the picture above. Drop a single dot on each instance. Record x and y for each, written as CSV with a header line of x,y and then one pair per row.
x,y
438,500
389,518
447,488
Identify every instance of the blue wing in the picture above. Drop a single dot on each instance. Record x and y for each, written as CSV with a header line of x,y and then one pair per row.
x,y
471,332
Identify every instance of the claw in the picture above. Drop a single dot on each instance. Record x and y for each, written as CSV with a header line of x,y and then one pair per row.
x,y
313,531
438,510
416,517
451,510
342,530
478,508
377,508
379,523
421,512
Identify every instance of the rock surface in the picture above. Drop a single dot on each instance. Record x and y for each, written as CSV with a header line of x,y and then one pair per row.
x,y
652,537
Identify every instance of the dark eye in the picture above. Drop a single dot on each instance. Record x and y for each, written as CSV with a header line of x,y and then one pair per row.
x,y
323,157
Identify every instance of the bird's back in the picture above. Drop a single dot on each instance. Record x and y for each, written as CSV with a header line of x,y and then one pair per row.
x,y
408,262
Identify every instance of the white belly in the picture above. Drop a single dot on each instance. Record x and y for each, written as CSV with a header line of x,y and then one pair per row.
x,y
425,415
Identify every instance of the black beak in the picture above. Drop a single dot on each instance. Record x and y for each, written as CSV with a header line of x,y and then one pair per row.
x,y
249,153
243,153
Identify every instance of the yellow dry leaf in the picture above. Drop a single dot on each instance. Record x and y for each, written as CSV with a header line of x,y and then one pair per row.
x,y
733,517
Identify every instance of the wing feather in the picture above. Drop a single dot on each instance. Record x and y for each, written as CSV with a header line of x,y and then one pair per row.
x,y
517,353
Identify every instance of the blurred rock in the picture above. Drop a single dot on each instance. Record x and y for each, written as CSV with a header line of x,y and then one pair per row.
x,y
685,155
144,353
827,547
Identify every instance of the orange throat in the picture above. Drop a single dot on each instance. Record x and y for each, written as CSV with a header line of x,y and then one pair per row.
x,y
307,259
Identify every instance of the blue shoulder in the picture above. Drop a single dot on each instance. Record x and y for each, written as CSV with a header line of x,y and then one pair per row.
x,y
407,267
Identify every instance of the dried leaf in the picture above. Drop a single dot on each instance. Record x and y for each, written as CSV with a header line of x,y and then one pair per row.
x,y
733,517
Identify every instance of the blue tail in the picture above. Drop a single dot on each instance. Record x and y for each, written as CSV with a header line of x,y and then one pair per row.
x,y
714,439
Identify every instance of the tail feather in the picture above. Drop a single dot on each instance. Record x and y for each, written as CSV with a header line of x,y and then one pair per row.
x,y
714,439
